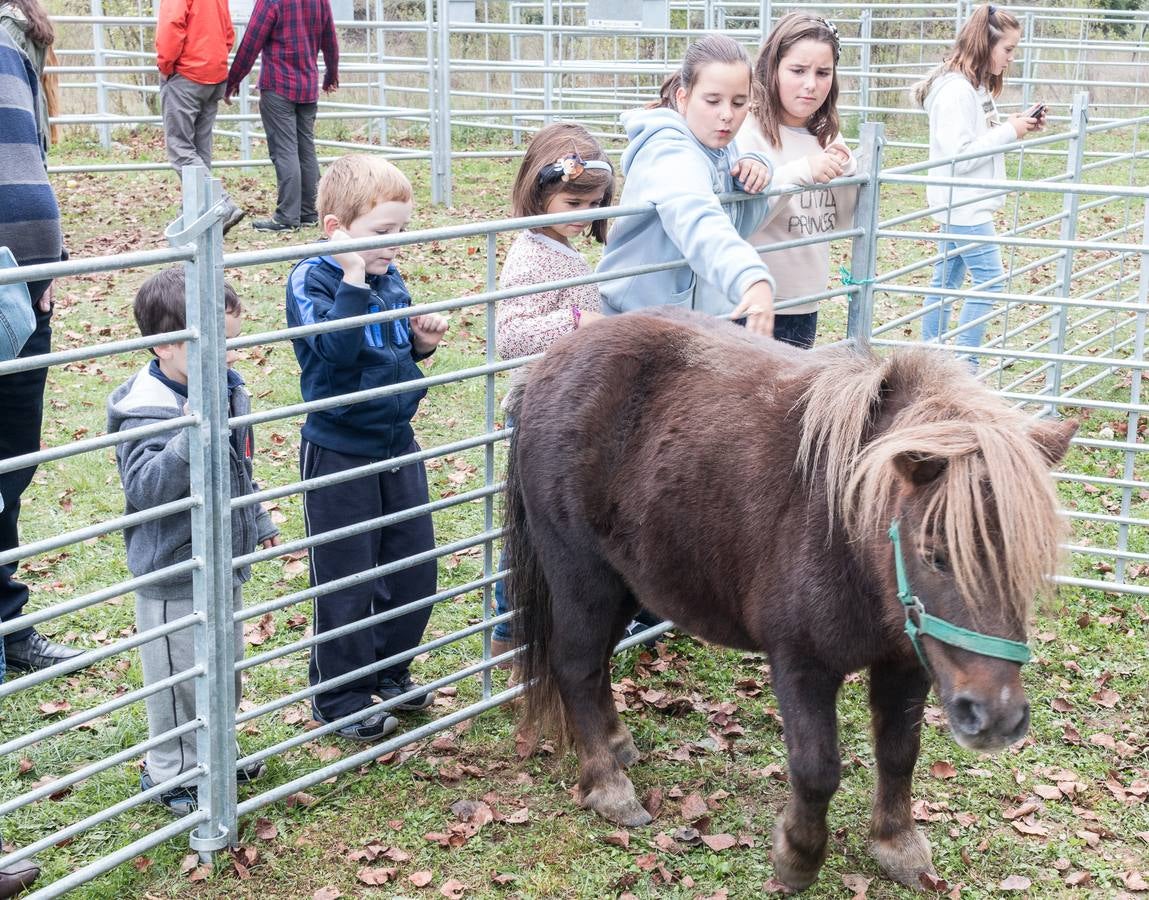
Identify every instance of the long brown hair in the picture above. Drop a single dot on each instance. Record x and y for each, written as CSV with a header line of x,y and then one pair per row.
x,y
40,28
530,194
767,107
709,49
971,51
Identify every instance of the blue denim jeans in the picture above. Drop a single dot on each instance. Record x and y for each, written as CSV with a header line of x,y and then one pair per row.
x,y
984,264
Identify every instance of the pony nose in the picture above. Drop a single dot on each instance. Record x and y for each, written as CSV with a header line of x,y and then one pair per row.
x,y
974,718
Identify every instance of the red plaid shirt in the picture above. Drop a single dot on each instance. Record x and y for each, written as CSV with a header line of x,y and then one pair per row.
x,y
290,34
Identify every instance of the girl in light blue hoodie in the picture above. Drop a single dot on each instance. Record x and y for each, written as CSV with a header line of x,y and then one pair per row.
x,y
681,156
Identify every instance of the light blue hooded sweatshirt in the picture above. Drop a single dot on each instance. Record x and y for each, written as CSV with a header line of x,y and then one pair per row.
x,y
665,164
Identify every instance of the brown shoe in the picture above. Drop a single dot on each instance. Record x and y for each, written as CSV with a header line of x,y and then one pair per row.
x,y
498,648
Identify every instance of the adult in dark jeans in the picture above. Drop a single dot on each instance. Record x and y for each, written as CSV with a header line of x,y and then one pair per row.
x,y
289,34
30,228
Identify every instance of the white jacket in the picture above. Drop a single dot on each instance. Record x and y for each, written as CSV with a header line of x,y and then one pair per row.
x,y
964,119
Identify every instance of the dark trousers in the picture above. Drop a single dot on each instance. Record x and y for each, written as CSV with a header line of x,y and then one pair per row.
x,y
345,504
290,131
798,329
21,413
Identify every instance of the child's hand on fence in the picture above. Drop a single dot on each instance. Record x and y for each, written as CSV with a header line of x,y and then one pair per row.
x,y
840,152
427,330
754,174
274,541
586,316
825,166
353,265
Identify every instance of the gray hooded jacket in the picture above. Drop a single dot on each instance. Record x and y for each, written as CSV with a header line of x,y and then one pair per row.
x,y
155,470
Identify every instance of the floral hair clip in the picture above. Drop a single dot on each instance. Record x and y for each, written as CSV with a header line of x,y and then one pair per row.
x,y
833,29
570,167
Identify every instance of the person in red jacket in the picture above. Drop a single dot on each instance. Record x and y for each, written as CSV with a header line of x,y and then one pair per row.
x,y
193,39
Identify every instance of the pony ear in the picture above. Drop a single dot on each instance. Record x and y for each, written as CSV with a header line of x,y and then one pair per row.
x,y
1052,439
918,469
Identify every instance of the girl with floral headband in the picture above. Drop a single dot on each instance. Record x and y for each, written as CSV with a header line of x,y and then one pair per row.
x,y
959,97
564,170
794,122
681,156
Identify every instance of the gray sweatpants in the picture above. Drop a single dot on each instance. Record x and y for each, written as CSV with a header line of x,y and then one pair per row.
x,y
189,115
162,658
290,131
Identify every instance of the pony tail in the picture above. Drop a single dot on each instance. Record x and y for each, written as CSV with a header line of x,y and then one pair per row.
x,y
666,93
543,712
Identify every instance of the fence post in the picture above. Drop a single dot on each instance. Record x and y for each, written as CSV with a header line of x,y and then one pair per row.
x,y
1134,419
1076,152
245,125
1027,67
100,60
201,225
548,59
765,14
441,118
864,73
489,451
381,59
864,248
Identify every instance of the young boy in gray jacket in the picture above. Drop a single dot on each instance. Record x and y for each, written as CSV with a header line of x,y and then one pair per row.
x,y
154,470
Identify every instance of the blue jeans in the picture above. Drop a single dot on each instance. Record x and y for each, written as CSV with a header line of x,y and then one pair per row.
x,y
984,264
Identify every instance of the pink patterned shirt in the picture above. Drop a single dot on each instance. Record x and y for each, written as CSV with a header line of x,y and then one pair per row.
x,y
531,323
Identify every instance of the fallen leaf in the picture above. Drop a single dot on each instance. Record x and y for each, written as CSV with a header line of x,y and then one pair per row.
x,y
453,889
859,884
694,807
377,875
421,878
265,829
618,839
1078,879
1015,883
1134,881
301,798
719,842
54,707
327,893
942,769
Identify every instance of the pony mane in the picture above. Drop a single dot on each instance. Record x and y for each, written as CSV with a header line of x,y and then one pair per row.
x,y
992,507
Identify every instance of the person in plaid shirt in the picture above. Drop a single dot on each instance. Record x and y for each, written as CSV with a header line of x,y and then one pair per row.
x,y
290,34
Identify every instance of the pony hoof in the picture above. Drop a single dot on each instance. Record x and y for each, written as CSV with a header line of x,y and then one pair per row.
x,y
905,857
793,869
618,804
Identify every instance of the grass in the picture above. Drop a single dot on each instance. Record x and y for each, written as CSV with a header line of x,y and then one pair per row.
x,y
1088,685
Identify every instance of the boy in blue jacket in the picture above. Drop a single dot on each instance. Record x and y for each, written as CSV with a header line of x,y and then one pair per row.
x,y
363,196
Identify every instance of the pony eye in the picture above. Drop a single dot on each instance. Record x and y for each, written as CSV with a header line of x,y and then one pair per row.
x,y
939,562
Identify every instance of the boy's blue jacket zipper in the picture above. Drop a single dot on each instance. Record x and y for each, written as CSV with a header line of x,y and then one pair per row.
x,y
354,359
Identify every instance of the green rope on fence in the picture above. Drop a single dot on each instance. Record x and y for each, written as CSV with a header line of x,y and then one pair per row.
x,y
848,279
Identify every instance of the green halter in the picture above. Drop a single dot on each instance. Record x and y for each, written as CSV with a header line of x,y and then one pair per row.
x,y
941,630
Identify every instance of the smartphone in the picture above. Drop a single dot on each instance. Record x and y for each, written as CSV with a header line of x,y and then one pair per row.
x,y
1037,111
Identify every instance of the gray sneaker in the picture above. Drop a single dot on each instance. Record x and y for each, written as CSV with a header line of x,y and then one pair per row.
x,y
370,729
232,217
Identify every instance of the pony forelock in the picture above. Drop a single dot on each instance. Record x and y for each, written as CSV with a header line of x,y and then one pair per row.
x,y
992,506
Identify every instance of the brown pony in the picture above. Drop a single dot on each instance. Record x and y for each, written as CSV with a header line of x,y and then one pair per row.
x,y
743,489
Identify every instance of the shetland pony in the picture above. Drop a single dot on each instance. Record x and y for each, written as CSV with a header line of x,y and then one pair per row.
x,y
744,490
